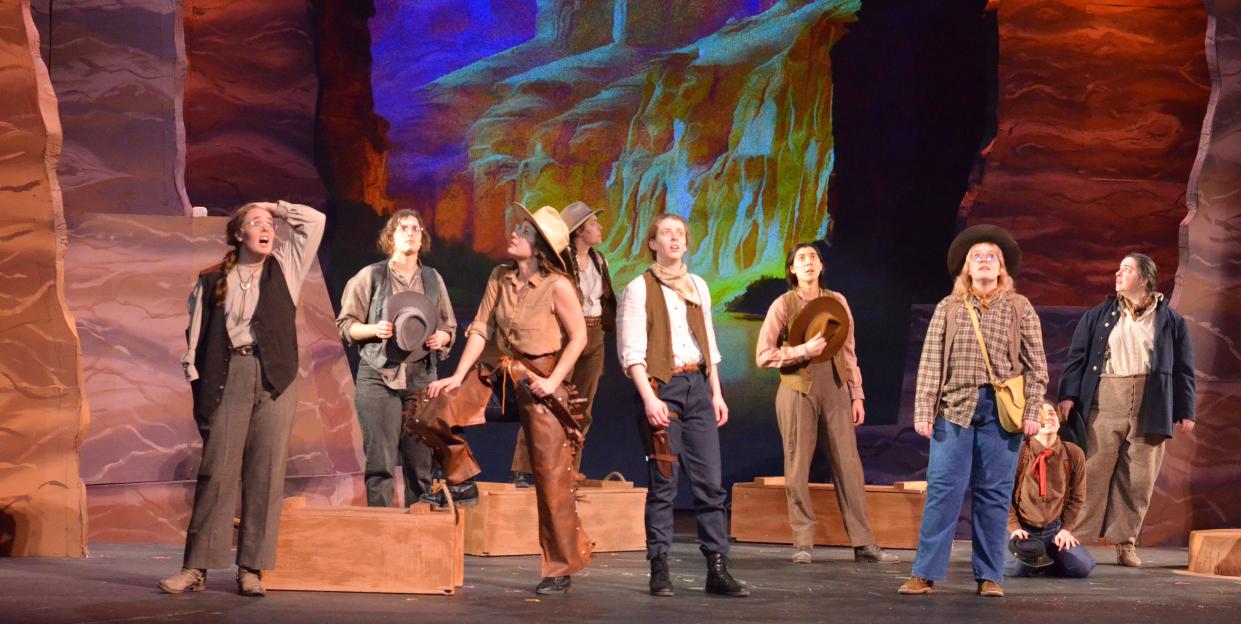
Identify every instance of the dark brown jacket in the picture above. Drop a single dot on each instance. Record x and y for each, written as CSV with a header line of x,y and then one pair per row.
x,y
1065,487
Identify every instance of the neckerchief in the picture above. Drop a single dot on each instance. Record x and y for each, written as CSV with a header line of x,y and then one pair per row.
x,y
678,280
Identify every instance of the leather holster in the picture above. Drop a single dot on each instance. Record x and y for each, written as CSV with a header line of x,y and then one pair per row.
x,y
656,442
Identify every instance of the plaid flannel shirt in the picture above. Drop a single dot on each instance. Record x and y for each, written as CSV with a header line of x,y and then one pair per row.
x,y
966,368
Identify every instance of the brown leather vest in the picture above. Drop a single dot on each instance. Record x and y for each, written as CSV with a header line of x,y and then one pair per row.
x,y
659,331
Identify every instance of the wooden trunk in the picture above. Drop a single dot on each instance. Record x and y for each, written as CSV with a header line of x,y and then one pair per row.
x,y
1215,552
418,550
506,519
760,513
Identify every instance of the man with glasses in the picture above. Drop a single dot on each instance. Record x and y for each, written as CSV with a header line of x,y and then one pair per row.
x,y
385,387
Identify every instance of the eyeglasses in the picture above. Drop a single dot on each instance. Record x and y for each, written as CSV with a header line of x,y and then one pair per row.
x,y
984,257
259,224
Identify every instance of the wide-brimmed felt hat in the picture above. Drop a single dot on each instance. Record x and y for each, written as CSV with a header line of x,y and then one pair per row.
x,y
575,214
1030,552
414,318
550,226
984,233
826,315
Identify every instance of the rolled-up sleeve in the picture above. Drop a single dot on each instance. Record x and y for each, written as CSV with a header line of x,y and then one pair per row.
x,y
297,252
195,305
483,324
850,353
355,304
768,354
448,320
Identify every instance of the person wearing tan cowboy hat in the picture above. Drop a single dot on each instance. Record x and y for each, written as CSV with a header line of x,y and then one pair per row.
x,y
527,303
594,280
666,341
389,378
956,405
808,335
241,361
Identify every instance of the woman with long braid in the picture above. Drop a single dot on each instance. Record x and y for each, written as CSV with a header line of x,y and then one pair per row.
x,y
241,360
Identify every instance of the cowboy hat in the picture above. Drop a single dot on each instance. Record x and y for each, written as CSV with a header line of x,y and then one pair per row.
x,y
1030,552
576,214
414,318
549,226
826,315
984,233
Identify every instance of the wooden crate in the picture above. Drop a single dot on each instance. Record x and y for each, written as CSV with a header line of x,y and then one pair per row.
x,y
760,513
1215,552
368,549
506,519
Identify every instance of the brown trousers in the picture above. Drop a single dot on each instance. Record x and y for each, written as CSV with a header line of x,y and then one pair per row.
x,y
585,378
824,415
1121,463
245,449
566,549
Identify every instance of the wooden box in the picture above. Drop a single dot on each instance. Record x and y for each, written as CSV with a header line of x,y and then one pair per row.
x,y
368,549
1215,552
506,519
760,513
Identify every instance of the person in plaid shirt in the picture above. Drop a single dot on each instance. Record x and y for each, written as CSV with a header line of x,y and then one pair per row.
x,y
955,406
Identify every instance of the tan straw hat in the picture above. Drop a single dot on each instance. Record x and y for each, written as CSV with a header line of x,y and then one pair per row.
x,y
549,226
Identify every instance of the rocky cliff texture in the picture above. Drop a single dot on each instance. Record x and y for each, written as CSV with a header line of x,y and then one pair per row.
x,y
42,499
1100,107
119,73
250,102
1201,469
619,104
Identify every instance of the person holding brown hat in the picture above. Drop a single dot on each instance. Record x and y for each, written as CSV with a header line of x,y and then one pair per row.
x,y
808,335
983,344
666,343
394,301
532,314
594,280
241,361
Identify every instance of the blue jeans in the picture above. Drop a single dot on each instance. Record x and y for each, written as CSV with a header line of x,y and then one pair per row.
x,y
983,457
1075,562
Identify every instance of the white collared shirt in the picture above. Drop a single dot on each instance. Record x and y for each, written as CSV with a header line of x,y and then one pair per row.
x,y
590,280
631,325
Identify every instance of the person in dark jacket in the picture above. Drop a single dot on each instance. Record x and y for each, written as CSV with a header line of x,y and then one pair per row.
x,y
1128,382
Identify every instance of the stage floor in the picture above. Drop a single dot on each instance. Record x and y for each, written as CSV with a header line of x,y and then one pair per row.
x,y
117,583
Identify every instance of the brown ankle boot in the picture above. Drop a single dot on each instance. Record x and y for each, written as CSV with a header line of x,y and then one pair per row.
x,y
250,582
990,589
187,579
917,585
1127,555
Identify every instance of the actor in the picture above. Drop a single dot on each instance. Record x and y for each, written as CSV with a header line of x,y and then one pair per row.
x,y
1128,382
386,381
820,398
594,280
666,343
532,313
241,361
1047,502
955,405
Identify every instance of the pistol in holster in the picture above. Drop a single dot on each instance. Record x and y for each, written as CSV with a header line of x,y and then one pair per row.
x,y
656,442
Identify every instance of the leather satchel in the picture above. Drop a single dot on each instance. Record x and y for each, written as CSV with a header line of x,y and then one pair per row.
x,y
1010,394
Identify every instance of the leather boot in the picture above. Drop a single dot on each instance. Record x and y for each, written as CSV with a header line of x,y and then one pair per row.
x,y
990,589
464,494
188,579
249,582
1127,555
661,581
719,581
554,585
873,554
916,585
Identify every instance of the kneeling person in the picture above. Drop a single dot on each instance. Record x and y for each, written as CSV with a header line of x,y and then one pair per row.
x,y
1048,497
